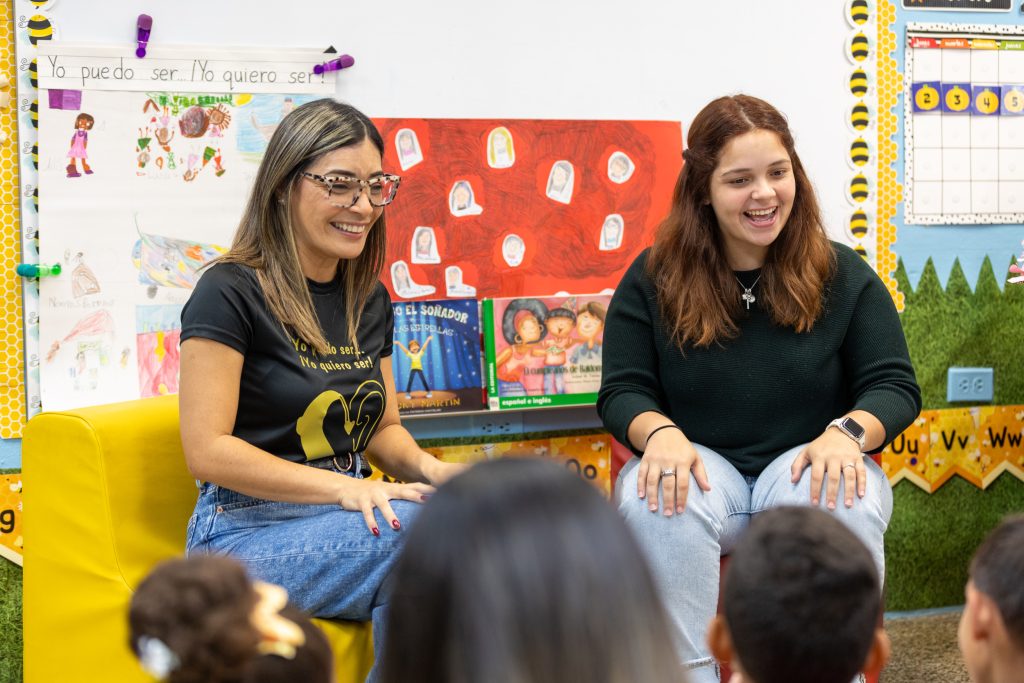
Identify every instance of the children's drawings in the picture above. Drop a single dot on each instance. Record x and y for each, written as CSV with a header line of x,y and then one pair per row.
x,y
523,207
79,144
158,333
169,262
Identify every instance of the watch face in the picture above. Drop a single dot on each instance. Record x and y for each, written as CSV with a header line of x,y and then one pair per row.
x,y
855,429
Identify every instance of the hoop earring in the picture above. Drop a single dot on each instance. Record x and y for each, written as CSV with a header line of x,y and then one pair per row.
x,y
517,339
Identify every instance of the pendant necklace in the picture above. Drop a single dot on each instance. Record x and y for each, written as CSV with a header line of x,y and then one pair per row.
x,y
748,296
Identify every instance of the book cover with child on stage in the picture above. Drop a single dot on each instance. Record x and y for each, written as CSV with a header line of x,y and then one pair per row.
x,y
543,351
436,359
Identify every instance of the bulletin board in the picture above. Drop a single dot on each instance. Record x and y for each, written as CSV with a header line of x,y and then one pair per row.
x,y
582,64
964,126
938,240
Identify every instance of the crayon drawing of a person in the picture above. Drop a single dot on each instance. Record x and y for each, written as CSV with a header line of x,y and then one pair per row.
x,y
403,283
79,143
424,246
408,147
461,201
620,168
560,182
415,355
501,152
513,249
611,232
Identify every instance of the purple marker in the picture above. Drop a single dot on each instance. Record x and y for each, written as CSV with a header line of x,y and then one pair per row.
x,y
144,26
342,62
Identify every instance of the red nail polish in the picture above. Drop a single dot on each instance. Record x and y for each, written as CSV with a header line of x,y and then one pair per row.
x,y
376,531
396,524
424,497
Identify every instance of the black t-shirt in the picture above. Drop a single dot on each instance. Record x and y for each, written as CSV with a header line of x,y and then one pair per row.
x,y
293,402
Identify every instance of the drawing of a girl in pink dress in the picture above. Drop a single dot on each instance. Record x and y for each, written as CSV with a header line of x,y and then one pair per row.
x,y
79,141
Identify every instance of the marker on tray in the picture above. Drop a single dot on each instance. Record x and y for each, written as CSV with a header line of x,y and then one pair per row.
x,y
342,62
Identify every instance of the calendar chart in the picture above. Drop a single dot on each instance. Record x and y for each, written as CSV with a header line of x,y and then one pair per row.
x,y
964,108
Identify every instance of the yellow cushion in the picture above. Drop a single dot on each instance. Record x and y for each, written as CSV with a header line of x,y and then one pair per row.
x,y
107,496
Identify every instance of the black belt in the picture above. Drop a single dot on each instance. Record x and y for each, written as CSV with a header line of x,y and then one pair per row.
x,y
347,463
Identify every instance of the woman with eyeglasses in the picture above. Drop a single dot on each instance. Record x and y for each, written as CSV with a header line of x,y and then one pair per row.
x,y
286,386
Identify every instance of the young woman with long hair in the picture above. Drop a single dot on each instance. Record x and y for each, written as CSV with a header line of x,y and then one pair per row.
x,y
749,362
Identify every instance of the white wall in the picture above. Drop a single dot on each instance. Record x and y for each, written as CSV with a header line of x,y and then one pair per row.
x,y
638,59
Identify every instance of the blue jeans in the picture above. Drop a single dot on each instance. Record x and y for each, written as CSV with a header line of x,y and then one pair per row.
x,y
330,563
684,550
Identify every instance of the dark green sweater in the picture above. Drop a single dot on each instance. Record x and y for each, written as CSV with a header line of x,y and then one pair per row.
x,y
769,389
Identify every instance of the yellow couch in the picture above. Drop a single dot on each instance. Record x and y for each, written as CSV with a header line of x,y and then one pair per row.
x,y
107,495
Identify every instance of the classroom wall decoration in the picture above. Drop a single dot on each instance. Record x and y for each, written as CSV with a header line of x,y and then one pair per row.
x,y
588,456
977,443
12,350
890,193
964,127
12,540
972,239
143,185
459,229
522,207
862,123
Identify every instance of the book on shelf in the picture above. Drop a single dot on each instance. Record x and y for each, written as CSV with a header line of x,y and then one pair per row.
x,y
436,359
543,351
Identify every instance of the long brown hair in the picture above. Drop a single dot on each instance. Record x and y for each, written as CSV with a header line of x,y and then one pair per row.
x,y
695,283
265,240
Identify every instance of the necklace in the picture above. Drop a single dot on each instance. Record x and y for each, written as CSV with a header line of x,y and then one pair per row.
x,y
748,296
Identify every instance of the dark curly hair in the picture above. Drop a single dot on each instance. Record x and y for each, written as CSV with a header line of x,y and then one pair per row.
x,y
535,307
200,609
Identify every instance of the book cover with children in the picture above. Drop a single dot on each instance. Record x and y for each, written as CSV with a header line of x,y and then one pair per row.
x,y
436,359
543,351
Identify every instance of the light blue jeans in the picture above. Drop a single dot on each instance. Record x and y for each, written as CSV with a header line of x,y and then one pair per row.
x,y
330,563
684,550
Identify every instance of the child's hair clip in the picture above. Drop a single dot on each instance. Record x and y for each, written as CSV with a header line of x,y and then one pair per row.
x,y
279,635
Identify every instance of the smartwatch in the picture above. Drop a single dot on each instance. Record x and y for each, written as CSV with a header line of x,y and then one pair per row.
x,y
852,428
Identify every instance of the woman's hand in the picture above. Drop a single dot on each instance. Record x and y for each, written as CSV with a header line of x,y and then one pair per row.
x,y
364,495
830,455
668,459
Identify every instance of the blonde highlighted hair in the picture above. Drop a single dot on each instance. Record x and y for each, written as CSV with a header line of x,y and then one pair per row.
x,y
265,239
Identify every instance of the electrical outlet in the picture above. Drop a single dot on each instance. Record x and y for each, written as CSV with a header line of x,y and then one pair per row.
x,y
969,384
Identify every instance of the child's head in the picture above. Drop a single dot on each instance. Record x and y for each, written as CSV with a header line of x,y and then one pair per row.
x,y
560,321
518,570
202,620
84,121
992,626
590,320
801,602
522,320
414,346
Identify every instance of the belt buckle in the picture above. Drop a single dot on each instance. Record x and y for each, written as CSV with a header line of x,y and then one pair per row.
x,y
345,468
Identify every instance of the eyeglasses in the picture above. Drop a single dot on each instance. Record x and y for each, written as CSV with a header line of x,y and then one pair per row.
x,y
343,190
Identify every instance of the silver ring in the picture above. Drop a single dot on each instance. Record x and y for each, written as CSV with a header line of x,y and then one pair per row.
x,y
849,464
669,472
